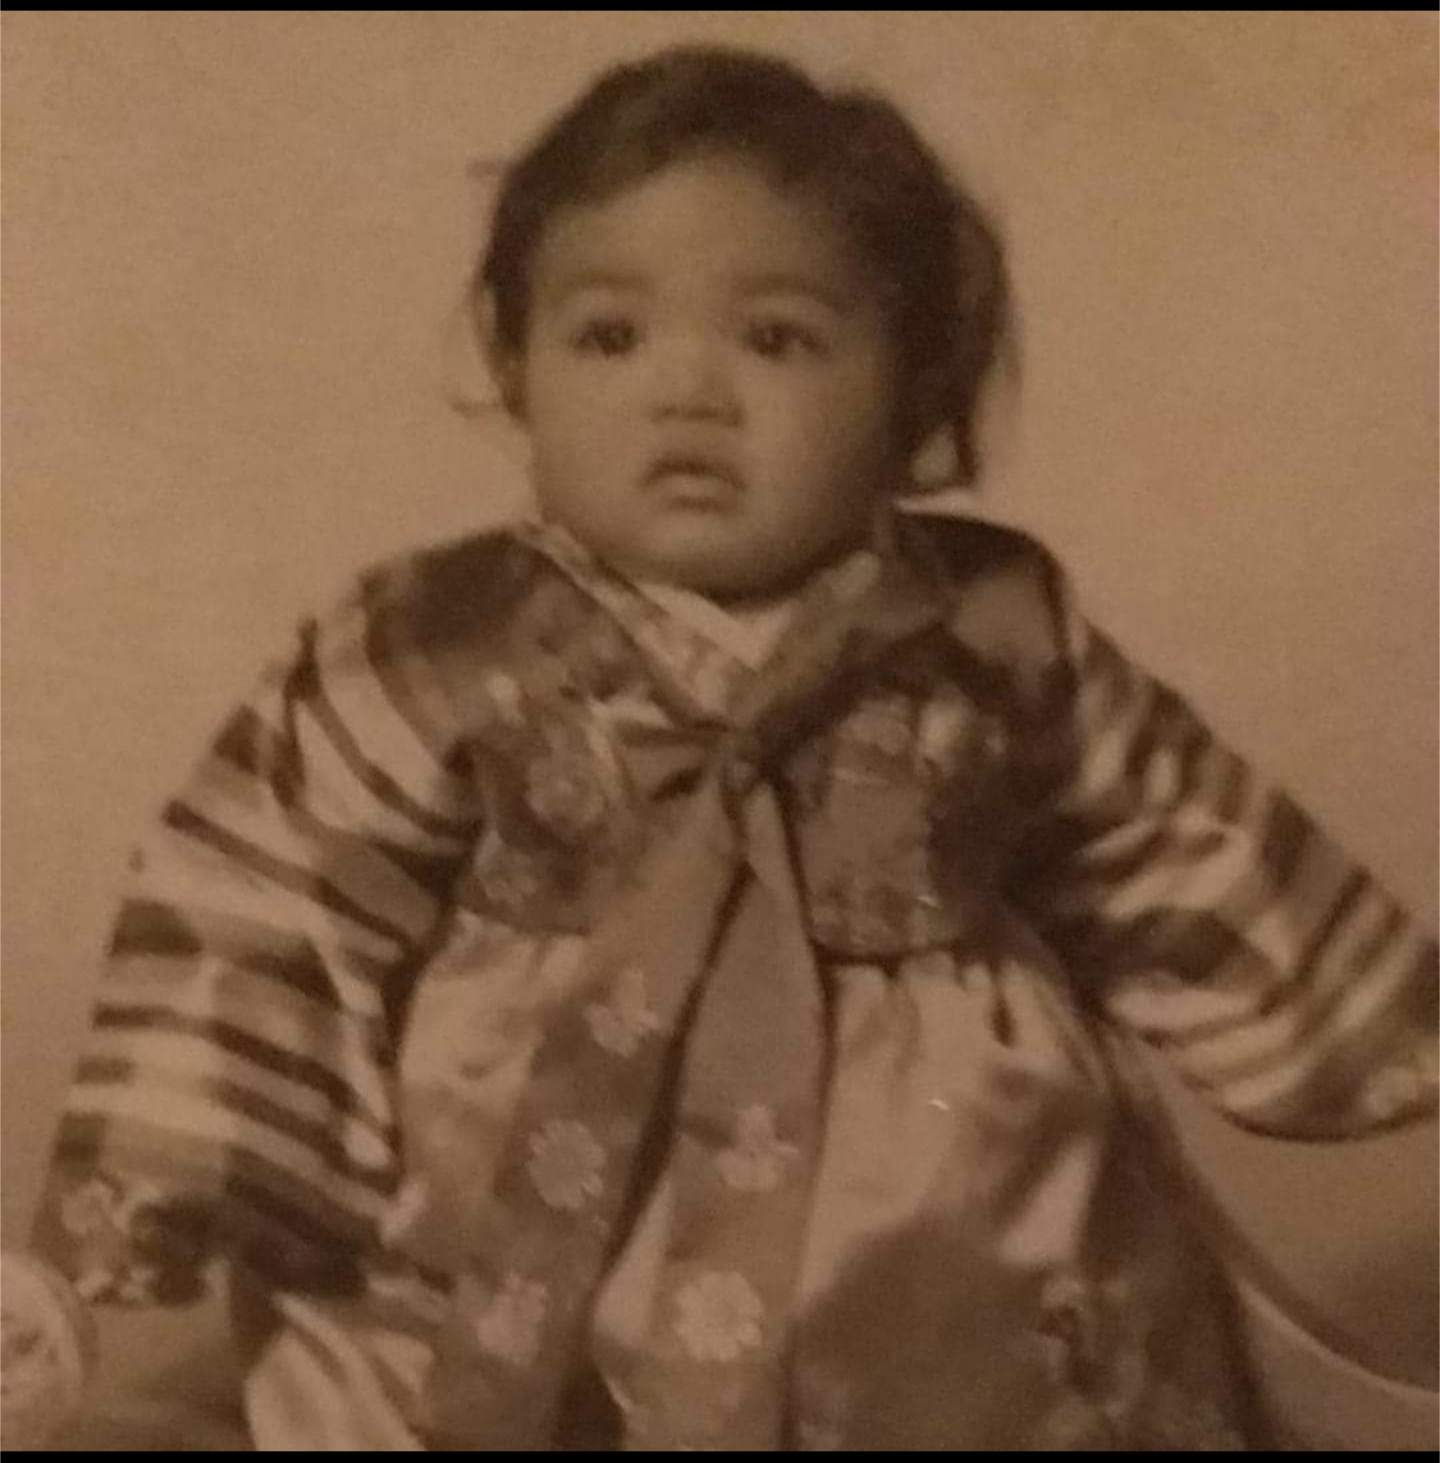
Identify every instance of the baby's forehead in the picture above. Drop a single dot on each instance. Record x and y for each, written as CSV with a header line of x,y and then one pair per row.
x,y
714,217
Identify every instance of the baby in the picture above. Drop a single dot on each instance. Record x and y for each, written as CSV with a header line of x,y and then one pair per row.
x,y
667,974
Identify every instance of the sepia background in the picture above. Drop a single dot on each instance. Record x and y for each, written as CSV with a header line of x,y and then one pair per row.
x,y
234,249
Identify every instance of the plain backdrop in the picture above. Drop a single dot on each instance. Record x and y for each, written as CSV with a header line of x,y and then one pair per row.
x,y
234,249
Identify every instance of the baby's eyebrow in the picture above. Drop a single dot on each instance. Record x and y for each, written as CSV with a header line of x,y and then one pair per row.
x,y
583,280
601,279
781,282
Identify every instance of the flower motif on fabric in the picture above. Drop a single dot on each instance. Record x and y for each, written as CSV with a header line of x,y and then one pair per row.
x,y
512,1325
565,1165
128,1240
125,1248
620,1024
755,1163
720,1316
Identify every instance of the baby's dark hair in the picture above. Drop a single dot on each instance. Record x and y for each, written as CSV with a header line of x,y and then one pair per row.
x,y
938,259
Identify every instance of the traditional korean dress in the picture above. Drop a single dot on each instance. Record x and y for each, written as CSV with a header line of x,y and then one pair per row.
x,y
596,1022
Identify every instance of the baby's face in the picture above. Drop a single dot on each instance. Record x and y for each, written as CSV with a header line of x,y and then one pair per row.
x,y
708,381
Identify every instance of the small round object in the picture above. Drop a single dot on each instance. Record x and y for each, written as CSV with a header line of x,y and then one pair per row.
x,y
48,1351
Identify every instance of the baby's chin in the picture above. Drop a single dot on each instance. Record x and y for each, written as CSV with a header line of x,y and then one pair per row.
x,y
731,569
734,579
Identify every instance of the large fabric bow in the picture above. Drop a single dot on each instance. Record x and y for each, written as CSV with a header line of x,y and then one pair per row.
x,y
689,1060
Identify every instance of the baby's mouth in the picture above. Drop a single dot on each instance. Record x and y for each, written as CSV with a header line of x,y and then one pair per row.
x,y
694,480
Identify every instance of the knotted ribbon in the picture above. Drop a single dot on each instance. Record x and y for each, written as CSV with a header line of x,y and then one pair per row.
x,y
691,1054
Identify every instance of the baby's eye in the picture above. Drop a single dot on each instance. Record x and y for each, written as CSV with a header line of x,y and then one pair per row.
x,y
781,340
610,335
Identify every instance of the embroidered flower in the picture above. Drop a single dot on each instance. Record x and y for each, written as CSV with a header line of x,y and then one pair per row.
x,y
91,1210
756,1162
1391,1091
565,1164
622,1023
563,794
512,1323
127,1245
719,1316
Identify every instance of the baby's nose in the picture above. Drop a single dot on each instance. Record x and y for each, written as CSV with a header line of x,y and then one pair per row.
x,y
692,379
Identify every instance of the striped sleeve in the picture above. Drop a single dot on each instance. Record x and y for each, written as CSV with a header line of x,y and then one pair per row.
x,y
1208,914
235,1087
